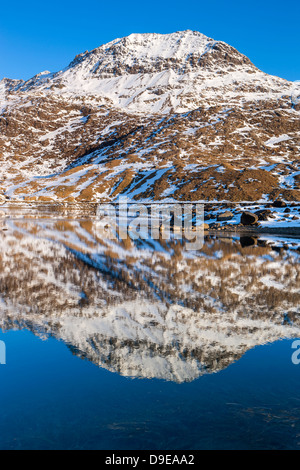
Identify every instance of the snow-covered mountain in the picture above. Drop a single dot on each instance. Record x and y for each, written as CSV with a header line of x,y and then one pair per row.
x,y
153,116
154,73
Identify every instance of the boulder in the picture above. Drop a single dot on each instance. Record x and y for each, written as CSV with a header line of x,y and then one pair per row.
x,y
279,203
248,218
264,214
225,216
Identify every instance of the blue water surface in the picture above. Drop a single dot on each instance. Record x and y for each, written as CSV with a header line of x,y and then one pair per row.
x,y
51,399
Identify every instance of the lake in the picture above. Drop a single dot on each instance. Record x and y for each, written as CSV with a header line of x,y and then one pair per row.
x,y
137,345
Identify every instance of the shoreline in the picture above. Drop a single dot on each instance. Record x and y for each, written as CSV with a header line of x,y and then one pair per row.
x,y
88,209
248,230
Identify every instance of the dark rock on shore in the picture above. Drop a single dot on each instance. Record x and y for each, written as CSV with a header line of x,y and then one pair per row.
x,y
248,218
279,203
264,214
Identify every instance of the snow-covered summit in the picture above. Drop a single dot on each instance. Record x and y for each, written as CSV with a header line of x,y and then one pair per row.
x,y
151,45
156,73
181,52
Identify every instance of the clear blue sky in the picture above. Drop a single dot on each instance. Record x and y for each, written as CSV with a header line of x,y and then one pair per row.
x,y
37,36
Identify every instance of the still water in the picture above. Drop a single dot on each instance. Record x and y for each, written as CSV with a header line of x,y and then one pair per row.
x,y
146,345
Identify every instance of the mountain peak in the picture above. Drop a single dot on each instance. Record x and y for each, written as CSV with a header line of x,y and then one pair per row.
x,y
149,46
147,53
174,45
150,40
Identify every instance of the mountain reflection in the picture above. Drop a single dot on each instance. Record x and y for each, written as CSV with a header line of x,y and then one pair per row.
x,y
147,309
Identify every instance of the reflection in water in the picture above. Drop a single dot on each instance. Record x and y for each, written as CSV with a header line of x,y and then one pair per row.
x,y
147,309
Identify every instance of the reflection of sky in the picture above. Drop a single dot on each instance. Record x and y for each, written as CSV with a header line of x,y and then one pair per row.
x,y
51,399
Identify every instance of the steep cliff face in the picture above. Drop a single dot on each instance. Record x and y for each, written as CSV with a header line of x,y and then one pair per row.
x,y
154,116
141,311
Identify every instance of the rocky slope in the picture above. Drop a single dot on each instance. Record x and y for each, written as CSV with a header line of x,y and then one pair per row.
x,y
145,310
177,116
